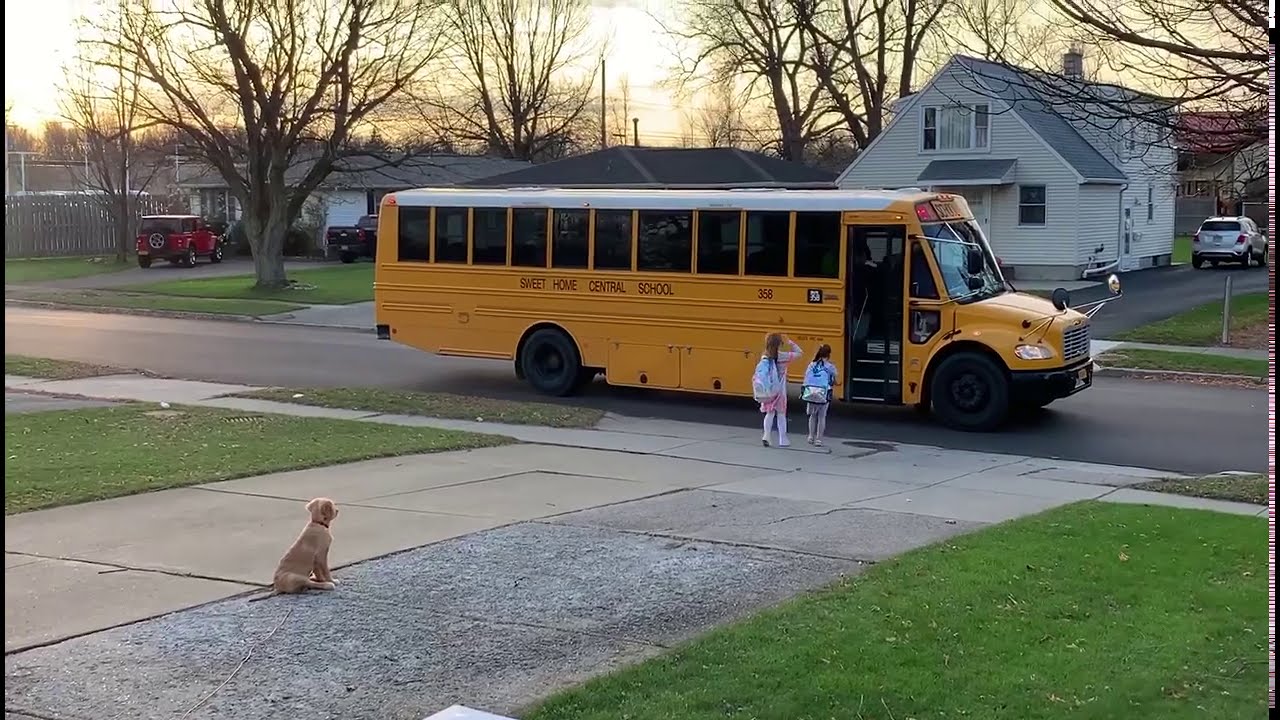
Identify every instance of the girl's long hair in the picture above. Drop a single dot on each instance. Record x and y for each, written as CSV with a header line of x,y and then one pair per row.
x,y
823,353
771,345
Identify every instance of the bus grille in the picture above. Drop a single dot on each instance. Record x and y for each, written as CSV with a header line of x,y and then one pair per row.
x,y
1075,342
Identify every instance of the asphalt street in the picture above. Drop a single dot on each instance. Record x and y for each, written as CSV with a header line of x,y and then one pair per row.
x,y
1175,427
1151,295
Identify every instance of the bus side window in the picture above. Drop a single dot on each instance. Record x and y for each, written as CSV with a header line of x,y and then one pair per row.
x,y
451,235
767,243
718,241
817,245
613,240
665,241
569,245
922,284
489,236
415,234
529,237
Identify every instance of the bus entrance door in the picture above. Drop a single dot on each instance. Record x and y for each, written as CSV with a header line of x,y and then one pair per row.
x,y
873,312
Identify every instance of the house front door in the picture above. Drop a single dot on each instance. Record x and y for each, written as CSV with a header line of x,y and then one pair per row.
x,y
979,199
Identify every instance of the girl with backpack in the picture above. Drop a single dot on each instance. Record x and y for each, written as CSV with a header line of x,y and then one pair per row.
x,y
770,385
819,378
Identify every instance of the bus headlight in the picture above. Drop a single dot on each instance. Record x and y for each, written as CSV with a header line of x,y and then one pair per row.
x,y
1033,352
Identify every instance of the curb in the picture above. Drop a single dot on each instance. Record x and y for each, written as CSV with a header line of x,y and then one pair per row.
x,y
174,314
1139,372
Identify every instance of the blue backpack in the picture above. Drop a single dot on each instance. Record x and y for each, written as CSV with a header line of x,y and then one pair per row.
x,y
766,382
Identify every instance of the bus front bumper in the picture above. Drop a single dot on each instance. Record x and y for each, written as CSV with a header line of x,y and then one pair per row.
x,y
1052,384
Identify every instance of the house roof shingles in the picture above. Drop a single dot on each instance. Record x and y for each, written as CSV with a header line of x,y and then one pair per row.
x,y
371,173
1017,88
995,171
1219,132
672,168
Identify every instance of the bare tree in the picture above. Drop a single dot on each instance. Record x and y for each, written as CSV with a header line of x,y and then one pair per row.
x,y
1176,56
717,121
620,108
761,42
101,109
523,77
865,55
262,88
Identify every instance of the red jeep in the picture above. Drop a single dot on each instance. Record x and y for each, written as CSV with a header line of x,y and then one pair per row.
x,y
180,239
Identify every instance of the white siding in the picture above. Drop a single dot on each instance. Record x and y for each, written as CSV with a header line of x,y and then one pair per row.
x,y
1151,165
895,160
1098,225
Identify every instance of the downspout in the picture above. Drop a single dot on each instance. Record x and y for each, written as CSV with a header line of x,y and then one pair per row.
x,y
1119,242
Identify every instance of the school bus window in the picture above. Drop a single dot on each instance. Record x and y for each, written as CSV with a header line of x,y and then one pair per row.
x,y
613,240
665,241
451,235
817,244
415,234
767,243
718,242
569,246
529,237
489,236
922,284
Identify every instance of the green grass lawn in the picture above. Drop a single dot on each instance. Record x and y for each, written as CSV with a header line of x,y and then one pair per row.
x,y
171,303
1096,610
439,405
1181,249
1237,488
34,367
74,456
1144,359
1203,325
41,269
325,285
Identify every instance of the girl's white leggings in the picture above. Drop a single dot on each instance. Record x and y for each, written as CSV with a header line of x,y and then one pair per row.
x,y
781,419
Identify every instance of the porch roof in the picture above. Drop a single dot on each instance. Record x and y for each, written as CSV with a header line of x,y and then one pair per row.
x,y
985,171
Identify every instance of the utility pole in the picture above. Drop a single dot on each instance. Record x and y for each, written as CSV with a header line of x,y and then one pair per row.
x,y
604,131
635,131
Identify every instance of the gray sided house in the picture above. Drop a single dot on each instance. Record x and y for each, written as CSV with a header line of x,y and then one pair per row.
x,y
1059,192
350,192
666,168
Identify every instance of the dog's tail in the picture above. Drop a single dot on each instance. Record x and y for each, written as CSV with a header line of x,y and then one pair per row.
x,y
271,594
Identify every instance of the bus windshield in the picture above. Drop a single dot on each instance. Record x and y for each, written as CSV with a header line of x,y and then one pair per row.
x,y
950,242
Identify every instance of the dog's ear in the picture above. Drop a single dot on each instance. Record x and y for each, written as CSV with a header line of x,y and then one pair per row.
x,y
312,505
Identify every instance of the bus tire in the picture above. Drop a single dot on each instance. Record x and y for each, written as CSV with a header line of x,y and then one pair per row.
x,y
549,361
970,392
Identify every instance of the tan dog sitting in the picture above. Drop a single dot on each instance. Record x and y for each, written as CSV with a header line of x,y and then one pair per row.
x,y
306,564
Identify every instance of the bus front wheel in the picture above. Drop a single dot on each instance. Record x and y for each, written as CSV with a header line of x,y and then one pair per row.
x,y
969,392
549,361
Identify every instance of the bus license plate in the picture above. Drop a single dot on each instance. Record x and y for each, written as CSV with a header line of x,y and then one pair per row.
x,y
1082,378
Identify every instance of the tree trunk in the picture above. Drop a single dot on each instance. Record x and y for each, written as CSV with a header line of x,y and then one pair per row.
x,y
124,229
266,233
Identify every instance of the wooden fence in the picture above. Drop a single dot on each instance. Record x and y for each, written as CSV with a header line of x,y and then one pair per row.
x,y
62,225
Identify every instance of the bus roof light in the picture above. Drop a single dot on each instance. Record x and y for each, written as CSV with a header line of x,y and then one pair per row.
x,y
924,212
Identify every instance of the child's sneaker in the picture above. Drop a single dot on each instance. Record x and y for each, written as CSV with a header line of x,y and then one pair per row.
x,y
784,442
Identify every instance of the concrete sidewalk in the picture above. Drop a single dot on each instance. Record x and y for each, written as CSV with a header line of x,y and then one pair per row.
x,y
1101,346
502,574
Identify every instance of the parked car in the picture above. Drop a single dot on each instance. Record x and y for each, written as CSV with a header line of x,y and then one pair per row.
x,y
350,242
1228,239
180,239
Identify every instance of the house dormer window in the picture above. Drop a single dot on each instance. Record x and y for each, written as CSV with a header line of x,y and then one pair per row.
x,y
955,127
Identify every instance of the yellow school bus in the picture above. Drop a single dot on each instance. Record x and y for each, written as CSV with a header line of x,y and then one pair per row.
x,y
676,290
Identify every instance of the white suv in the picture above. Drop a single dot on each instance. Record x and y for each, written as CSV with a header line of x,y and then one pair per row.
x,y
1228,239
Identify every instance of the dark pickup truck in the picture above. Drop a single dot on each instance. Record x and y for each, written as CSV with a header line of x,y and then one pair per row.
x,y
350,242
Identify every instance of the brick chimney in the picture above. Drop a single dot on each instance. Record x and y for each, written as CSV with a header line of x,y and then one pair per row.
x,y
1073,63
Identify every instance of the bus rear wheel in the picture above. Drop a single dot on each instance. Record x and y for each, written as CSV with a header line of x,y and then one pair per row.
x,y
549,361
969,392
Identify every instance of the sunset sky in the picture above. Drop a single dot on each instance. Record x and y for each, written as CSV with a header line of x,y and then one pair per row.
x,y
39,40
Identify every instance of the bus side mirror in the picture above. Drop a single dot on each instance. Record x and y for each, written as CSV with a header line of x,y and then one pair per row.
x,y
974,262
975,283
